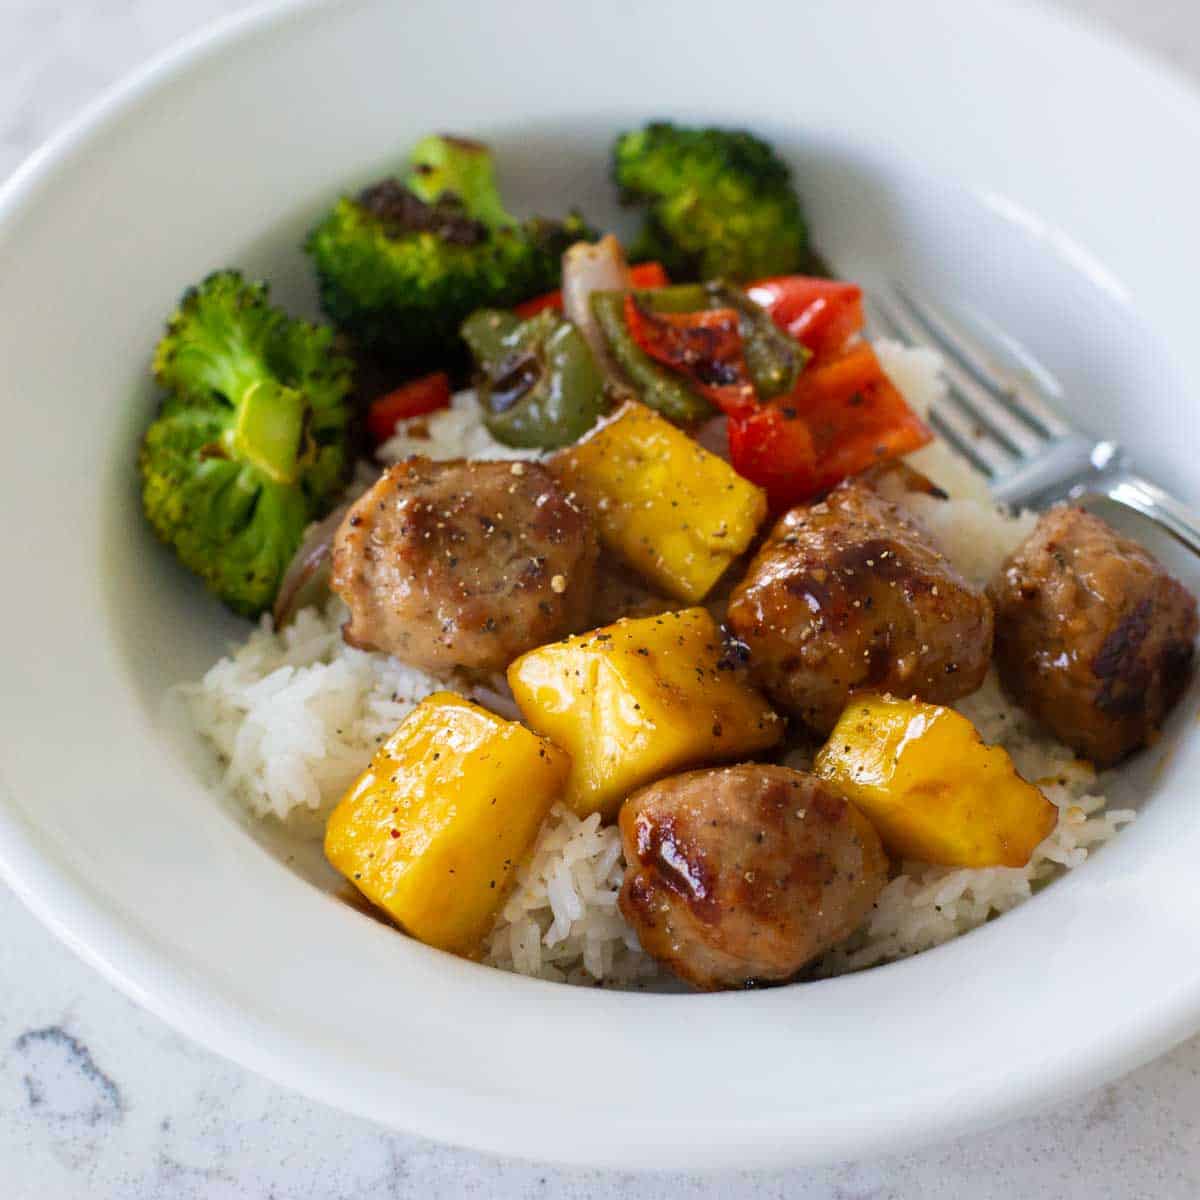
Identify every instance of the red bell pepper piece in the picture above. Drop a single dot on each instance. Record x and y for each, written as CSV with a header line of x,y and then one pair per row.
x,y
857,417
843,416
643,275
773,447
704,346
648,275
852,415
531,308
413,399
823,314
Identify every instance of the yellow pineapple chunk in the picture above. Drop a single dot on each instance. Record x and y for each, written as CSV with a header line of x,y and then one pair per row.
x,y
672,510
931,786
434,827
637,700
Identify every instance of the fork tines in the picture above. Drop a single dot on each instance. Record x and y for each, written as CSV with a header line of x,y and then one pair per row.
x,y
986,415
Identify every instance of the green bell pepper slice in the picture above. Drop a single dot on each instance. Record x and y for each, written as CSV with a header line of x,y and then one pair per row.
x,y
539,384
655,385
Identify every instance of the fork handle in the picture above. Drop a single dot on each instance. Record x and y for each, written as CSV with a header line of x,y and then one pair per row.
x,y
1133,492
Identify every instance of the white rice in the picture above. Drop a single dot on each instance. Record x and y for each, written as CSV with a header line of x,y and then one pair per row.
x,y
454,432
295,715
561,921
917,373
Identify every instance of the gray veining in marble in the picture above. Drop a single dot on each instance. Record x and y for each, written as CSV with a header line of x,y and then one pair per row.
x,y
100,1100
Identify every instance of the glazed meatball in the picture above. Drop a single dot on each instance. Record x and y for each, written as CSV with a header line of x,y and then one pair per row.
x,y
463,564
743,874
1093,637
850,594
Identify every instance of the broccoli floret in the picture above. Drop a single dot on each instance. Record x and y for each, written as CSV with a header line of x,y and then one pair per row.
x,y
250,444
401,265
440,165
719,203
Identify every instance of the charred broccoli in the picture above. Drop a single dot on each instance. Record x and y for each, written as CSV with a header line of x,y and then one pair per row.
x,y
401,265
719,203
250,443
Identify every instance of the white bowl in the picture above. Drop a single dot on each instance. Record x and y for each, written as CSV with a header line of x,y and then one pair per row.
x,y
997,153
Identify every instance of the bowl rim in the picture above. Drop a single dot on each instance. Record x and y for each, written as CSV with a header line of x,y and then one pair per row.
x,y
200,1010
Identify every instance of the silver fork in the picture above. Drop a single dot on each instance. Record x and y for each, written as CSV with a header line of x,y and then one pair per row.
x,y
1009,430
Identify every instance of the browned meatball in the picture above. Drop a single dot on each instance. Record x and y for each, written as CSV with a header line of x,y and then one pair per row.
x,y
744,874
463,564
850,594
1093,637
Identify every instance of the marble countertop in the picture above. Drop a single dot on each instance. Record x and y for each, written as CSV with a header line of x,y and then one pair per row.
x,y
99,1099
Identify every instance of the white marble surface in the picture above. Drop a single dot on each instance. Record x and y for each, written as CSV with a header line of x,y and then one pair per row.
x,y
98,1099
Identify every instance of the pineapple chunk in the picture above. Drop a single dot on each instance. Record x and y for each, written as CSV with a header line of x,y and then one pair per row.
x,y
672,510
434,827
637,700
931,786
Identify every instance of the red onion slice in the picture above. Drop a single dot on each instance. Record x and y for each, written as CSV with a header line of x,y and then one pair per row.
x,y
306,581
586,268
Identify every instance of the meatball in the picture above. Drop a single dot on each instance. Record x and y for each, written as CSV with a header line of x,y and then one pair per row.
x,y
1093,637
743,874
849,594
463,564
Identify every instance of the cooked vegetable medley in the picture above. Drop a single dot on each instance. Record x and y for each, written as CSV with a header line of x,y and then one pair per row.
x,y
654,615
